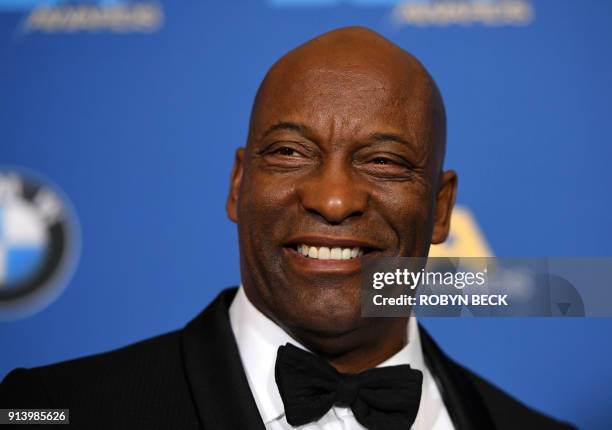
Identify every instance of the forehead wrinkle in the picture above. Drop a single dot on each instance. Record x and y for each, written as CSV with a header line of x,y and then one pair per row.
x,y
347,73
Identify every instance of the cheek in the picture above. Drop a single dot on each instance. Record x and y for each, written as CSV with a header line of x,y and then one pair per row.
x,y
408,213
265,202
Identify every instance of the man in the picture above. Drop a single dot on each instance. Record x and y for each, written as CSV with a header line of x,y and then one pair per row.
x,y
344,162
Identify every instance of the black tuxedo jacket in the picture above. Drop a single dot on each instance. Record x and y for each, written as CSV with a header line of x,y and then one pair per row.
x,y
193,379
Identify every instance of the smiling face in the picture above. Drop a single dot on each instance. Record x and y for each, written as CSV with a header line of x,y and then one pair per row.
x,y
342,164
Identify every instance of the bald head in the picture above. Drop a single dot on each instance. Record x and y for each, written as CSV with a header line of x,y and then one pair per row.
x,y
355,68
344,161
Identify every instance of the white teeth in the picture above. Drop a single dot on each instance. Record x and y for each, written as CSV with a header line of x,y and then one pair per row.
x,y
325,253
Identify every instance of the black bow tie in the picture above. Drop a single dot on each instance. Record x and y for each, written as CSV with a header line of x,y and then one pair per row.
x,y
381,398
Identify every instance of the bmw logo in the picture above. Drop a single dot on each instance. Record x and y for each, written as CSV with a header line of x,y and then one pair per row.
x,y
38,242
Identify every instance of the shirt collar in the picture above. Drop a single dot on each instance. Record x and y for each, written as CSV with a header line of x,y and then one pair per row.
x,y
258,339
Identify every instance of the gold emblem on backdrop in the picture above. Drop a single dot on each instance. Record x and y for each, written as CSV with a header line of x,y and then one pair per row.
x,y
465,239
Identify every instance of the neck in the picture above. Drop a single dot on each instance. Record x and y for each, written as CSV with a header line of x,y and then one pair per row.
x,y
370,342
361,349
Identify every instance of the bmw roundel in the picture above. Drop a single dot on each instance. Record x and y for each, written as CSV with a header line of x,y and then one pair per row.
x,y
38,242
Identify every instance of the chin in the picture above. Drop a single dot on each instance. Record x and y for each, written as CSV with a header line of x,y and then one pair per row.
x,y
331,313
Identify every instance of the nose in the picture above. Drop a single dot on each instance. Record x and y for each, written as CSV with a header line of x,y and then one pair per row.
x,y
333,194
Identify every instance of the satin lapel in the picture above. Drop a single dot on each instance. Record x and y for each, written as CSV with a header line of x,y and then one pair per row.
x,y
216,377
464,404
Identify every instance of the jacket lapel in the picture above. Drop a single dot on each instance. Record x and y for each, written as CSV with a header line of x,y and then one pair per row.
x,y
464,404
214,371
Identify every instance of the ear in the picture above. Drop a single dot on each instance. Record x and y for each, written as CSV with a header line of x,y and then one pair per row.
x,y
231,206
444,206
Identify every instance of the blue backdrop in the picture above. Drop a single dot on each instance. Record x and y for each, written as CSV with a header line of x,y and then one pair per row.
x,y
134,110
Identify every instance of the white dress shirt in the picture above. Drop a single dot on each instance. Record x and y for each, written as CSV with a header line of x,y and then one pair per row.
x,y
258,339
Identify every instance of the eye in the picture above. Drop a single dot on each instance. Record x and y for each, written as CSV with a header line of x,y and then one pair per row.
x,y
287,155
382,161
286,151
386,165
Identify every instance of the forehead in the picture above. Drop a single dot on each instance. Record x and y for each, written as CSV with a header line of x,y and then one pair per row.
x,y
366,94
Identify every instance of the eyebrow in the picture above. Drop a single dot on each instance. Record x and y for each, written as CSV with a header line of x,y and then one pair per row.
x,y
391,137
289,126
305,130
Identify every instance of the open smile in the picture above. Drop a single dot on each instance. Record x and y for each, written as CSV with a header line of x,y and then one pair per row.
x,y
328,254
